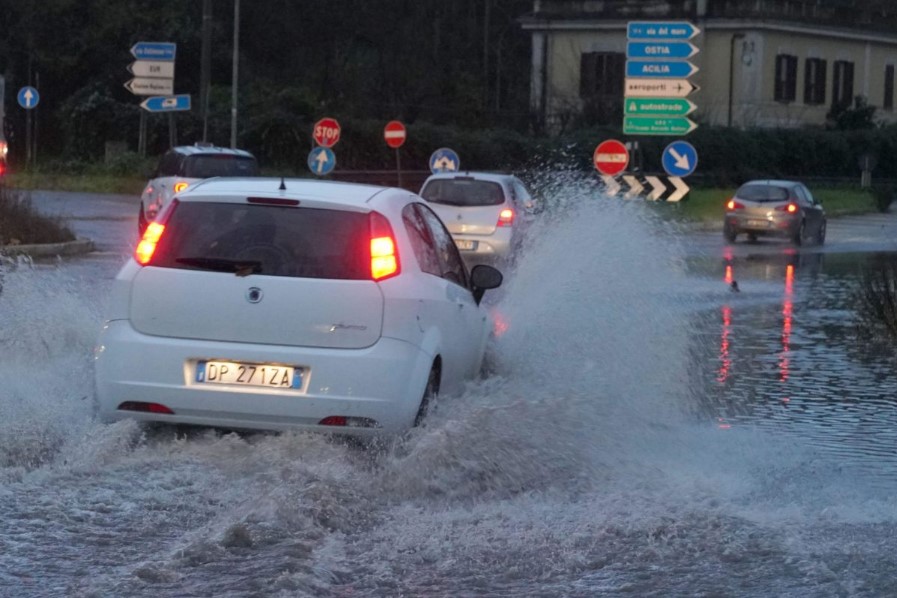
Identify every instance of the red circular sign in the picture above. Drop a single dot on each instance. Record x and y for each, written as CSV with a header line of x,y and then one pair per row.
x,y
394,133
611,157
326,132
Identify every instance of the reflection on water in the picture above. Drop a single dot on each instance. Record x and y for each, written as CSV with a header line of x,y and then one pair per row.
x,y
788,356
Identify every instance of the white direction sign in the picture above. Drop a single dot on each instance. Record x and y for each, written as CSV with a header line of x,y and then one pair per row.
x,y
163,69
145,86
658,88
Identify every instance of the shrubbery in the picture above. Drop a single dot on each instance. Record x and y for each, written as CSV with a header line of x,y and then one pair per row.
x,y
20,224
876,298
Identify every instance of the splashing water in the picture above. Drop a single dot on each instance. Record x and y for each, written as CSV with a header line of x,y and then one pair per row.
x,y
576,468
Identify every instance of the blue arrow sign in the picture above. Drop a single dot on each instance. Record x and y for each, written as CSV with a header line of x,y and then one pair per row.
x,y
28,97
444,160
659,30
677,69
321,160
679,158
166,103
153,50
660,50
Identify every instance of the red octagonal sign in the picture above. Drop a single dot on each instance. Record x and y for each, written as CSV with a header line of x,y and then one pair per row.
x,y
394,134
326,132
611,157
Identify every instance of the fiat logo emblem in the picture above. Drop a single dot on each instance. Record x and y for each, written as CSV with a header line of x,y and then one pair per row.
x,y
254,294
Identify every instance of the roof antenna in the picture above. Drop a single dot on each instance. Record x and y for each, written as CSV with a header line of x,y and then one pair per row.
x,y
283,186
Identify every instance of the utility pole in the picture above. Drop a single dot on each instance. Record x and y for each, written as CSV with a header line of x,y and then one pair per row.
x,y
206,66
234,79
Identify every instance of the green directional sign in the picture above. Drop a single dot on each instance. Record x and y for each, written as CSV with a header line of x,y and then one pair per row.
x,y
657,125
659,106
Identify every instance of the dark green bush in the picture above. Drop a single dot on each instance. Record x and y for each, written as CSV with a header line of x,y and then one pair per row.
x,y
21,224
875,298
884,195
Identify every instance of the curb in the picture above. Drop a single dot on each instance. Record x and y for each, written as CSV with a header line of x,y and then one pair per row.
x,y
76,247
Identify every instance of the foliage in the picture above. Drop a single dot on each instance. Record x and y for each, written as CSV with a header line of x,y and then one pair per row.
x,y
884,194
861,115
875,298
20,224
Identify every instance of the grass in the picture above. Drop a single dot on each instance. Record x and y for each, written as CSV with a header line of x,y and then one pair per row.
x,y
85,183
21,224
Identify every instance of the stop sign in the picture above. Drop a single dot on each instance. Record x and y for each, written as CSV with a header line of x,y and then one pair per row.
x,y
611,157
326,132
394,133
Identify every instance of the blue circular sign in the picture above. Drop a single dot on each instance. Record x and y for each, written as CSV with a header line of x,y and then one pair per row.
x,y
28,97
444,160
321,160
680,158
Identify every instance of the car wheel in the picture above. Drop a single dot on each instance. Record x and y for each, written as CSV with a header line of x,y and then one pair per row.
x,y
798,237
729,234
820,236
431,392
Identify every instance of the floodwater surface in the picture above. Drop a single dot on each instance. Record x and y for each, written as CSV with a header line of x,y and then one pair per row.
x,y
643,430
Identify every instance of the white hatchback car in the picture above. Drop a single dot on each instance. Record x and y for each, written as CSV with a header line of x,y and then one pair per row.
x,y
291,304
186,165
486,213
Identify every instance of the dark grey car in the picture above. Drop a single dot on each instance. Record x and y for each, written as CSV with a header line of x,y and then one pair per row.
x,y
775,208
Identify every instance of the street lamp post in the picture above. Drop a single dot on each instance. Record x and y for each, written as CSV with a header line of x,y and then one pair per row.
x,y
233,98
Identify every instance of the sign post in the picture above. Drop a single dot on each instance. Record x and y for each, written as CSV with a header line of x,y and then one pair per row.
x,y
657,72
153,72
394,134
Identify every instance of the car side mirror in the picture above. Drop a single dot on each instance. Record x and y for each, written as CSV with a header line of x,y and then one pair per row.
x,y
484,277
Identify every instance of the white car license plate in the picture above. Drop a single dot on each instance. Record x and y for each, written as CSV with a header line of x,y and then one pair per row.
x,y
466,245
758,223
248,374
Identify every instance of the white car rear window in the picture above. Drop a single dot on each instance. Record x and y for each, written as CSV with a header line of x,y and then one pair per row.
x,y
269,240
464,191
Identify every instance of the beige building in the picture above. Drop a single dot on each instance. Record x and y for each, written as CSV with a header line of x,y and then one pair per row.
x,y
762,63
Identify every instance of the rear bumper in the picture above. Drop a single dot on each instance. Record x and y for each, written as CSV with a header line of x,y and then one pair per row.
x,y
383,383
785,225
496,246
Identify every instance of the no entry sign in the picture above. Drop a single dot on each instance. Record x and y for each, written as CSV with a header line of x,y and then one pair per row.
x,y
326,132
611,157
394,134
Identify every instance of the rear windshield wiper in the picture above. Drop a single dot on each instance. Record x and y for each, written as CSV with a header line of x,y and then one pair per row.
x,y
238,267
447,203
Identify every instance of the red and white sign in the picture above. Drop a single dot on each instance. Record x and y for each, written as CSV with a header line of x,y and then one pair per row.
x,y
326,132
394,133
611,157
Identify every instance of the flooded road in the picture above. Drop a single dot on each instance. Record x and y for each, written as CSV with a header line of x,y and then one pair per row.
x,y
644,431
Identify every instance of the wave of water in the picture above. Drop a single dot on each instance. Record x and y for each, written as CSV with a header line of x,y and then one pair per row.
x,y
577,468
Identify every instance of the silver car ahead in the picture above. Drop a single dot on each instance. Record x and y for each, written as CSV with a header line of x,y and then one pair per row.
x,y
487,214
775,208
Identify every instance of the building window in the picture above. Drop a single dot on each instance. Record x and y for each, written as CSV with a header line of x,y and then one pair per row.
x,y
842,89
601,77
888,103
786,78
814,81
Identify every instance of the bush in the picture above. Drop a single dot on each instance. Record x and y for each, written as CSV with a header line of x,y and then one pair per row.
x,y
20,224
884,195
876,298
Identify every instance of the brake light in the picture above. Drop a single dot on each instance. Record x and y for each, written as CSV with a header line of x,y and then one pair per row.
x,y
791,208
180,186
2,168
384,254
734,205
505,218
147,246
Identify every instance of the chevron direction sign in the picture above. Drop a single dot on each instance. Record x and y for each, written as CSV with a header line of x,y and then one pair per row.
x,y
657,73
649,187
